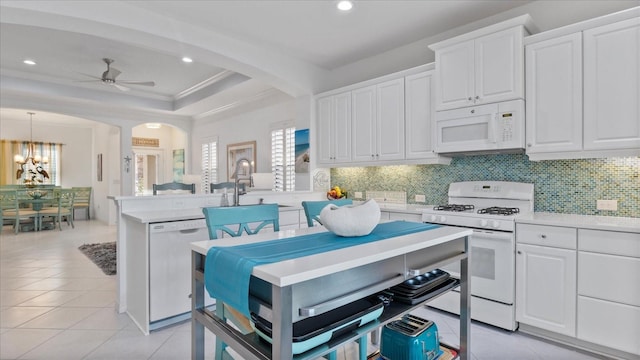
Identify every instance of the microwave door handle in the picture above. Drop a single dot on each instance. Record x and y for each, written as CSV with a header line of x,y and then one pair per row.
x,y
492,131
494,128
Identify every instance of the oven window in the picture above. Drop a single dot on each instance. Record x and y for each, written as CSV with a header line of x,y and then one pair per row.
x,y
483,262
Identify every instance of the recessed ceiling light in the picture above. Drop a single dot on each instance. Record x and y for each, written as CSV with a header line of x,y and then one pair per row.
x,y
345,5
29,62
187,59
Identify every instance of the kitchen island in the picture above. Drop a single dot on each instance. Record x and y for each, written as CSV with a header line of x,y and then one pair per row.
x,y
354,273
154,233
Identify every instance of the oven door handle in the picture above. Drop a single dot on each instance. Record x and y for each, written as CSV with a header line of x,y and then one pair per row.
x,y
494,235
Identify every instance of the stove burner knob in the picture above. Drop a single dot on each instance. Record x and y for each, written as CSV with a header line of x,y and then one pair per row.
x,y
443,218
495,224
433,218
484,223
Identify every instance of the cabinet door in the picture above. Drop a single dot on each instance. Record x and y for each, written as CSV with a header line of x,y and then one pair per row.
x,y
363,126
455,76
546,288
419,99
609,324
341,128
324,124
612,86
499,66
390,120
554,95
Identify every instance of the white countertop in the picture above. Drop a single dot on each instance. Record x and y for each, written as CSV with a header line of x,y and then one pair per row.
x,y
595,222
155,216
293,271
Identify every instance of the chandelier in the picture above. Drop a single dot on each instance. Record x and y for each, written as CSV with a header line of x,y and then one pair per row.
x,y
31,164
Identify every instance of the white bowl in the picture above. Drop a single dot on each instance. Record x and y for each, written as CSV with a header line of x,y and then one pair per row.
x,y
351,220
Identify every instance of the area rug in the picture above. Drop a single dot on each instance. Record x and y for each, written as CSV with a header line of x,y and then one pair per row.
x,y
103,255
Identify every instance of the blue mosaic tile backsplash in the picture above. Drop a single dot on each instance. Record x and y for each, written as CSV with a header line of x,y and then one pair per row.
x,y
561,186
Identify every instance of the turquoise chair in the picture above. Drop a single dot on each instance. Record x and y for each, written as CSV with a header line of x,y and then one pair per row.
x,y
250,219
312,208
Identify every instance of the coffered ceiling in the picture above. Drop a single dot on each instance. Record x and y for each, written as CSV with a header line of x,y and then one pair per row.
x,y
241,50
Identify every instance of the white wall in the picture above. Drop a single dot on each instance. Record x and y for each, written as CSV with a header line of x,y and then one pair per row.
x,y
251,125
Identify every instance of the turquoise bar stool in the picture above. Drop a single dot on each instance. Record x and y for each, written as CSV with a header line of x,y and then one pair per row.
x,y
250,220
312,208
312,211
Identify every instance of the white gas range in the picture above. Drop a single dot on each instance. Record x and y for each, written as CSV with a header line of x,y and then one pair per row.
x,y
490,209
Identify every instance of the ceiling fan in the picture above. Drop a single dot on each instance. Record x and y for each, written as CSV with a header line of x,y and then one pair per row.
x,y
109,78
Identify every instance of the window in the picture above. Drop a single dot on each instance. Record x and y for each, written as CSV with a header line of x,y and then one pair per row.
x,y
209,165
50,151
283,165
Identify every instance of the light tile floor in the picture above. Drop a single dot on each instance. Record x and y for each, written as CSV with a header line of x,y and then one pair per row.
x,y
56,304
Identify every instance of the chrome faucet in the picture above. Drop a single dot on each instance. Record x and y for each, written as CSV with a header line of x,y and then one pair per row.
x,y
236,193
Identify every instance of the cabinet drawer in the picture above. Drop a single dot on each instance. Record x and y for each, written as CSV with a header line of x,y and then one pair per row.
x,y
609,324
552,236
609,277
609,242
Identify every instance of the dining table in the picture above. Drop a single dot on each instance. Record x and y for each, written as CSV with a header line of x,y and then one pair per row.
x,y
36,204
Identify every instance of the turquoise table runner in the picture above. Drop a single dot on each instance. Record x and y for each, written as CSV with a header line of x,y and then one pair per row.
x,y
228,269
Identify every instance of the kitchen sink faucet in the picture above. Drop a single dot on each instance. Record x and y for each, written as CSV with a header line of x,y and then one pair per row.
x,y
236,193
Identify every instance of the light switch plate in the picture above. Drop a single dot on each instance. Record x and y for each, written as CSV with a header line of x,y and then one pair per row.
x,y
607,205
420,198
358,194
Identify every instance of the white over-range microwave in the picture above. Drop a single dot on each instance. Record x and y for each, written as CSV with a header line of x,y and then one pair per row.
x,y
486,128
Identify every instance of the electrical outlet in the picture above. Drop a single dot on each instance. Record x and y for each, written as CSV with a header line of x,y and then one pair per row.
x,y
607,205
420,198
358,194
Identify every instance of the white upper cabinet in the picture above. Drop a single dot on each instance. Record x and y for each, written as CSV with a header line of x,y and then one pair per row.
x,y
482,70
378,122
390,120
554,95
334,128
583,89
364,124
419,115
612,86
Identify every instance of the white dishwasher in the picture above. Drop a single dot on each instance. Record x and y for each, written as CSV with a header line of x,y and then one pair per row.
x,y
170,269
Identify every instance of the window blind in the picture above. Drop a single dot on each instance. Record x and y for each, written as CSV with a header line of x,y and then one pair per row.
x,y
283,158
209,166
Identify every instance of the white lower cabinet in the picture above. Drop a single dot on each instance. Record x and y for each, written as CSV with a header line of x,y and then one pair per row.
x,y
609,289
546,288
581,283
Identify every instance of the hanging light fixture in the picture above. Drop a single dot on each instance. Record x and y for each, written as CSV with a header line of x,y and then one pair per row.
x,y
32,174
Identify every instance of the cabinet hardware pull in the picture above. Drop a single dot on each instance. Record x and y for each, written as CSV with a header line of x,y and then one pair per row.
x,y
477,97
519,252
543,236
470,98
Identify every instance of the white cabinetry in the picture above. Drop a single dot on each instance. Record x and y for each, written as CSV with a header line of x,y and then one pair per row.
x,y
608,289
419,115
383,121
612,86
583,90
546,277
481,70
554,95
334,128
378,122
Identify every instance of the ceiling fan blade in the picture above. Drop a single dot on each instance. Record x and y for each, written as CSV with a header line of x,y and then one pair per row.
x,y
120,87
133,82
91,76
